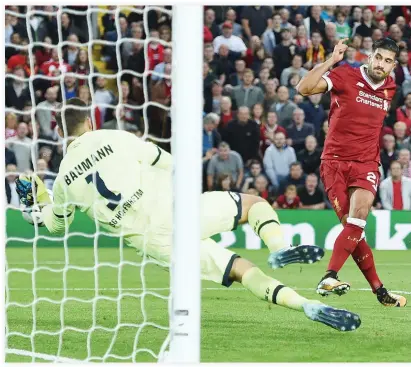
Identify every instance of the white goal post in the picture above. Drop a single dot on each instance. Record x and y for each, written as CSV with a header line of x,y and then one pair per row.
x,y
182,344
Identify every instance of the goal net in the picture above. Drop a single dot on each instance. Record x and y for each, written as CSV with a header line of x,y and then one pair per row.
x,y
84,296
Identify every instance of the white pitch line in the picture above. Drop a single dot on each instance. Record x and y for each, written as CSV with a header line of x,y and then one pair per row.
x,y
167,289
92,264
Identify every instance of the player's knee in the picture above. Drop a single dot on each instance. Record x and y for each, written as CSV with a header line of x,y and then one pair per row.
x,y
239,268
360,213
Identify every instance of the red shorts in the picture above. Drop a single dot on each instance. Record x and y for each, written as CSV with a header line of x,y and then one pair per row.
x,y
338,176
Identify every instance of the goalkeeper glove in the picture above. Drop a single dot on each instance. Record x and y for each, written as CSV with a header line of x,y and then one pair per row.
x,y
24,188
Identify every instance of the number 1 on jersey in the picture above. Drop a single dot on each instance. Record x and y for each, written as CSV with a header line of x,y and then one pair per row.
x,y
114,199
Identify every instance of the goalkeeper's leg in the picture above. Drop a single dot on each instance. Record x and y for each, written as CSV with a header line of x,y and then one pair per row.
x,y
220,209
225,267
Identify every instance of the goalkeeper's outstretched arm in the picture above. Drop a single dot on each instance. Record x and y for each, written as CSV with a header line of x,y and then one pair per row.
x,y
58,215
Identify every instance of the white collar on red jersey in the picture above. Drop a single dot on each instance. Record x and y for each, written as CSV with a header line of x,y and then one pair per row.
x,y
368,80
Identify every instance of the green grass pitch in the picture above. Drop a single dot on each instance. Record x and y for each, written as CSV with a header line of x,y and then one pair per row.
x,y
236,327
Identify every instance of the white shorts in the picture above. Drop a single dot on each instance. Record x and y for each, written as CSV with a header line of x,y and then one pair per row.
x,y
220,212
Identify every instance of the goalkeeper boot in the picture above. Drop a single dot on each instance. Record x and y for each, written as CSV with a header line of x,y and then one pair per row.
x,y
338,319
301,254
389,299
330,284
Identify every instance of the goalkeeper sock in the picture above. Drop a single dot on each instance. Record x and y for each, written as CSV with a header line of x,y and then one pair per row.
x,y
264,220
271,290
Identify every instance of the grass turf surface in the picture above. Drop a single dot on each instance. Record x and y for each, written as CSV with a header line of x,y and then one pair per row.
x,y
236,327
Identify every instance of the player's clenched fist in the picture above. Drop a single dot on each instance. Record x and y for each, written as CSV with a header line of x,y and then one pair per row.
x,y
339,50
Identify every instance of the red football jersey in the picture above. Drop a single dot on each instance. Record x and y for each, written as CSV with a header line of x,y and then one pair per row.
x,y
358,109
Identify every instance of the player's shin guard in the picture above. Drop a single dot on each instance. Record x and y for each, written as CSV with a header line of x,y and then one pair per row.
x,y
271,290
264,220
346,243
364,259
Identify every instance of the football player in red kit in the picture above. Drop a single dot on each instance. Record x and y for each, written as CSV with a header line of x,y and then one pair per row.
x,y
360,98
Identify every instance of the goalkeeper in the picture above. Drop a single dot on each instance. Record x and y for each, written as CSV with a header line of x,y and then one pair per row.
x,y
125,185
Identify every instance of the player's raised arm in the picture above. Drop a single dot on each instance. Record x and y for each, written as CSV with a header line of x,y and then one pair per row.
x,y
313,83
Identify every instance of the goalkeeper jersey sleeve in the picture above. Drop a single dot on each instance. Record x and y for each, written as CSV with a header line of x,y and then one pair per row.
x,y
111,175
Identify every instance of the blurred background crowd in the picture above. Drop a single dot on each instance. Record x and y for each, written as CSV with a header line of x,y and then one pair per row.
x,y
260,136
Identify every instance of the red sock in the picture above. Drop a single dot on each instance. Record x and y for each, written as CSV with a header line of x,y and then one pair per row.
x,y
364,259
344,246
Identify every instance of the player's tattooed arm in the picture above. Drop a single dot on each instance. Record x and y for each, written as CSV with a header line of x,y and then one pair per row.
x,y
313,83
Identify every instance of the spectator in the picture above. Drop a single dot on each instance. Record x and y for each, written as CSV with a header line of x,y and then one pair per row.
x,y
366,50
222,65
255,54
10,157
236,78
400,130
263,78
323,133
343,29
284,107
70,87
366,27
296,67
225,183
315,53
289,200
11,125
17,91
20,59
285,17
261,185
395,191
247,94
296,177
46,112
270,96
155,50
314,112
234,43
243,135
44,174
269,64
109,19
301,38
277,160
231,16
311,196
82,66
255,171
376,34
255,20
314,23
284,52
209,20
53,65
292,83
103,97
331,38
11,193
208,79
272,35
350,58
137,34
227,113
71,51
85,96
67,28
20,145
404,157
225,161
211,137
268,131
299,130
310,156
403,113
258,114
217,95
356,18
388,153
327,14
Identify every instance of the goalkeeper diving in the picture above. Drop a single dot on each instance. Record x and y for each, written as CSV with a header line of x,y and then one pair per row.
x,y
125,185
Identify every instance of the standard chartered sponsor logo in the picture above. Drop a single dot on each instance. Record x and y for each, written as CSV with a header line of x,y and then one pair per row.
x,y
372,100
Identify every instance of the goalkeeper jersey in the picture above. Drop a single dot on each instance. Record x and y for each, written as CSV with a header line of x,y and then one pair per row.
x,y
113,176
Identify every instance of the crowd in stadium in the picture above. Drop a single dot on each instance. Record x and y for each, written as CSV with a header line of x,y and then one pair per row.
x,y
260,136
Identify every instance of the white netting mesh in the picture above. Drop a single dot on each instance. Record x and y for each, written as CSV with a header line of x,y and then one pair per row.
x,y
66,302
